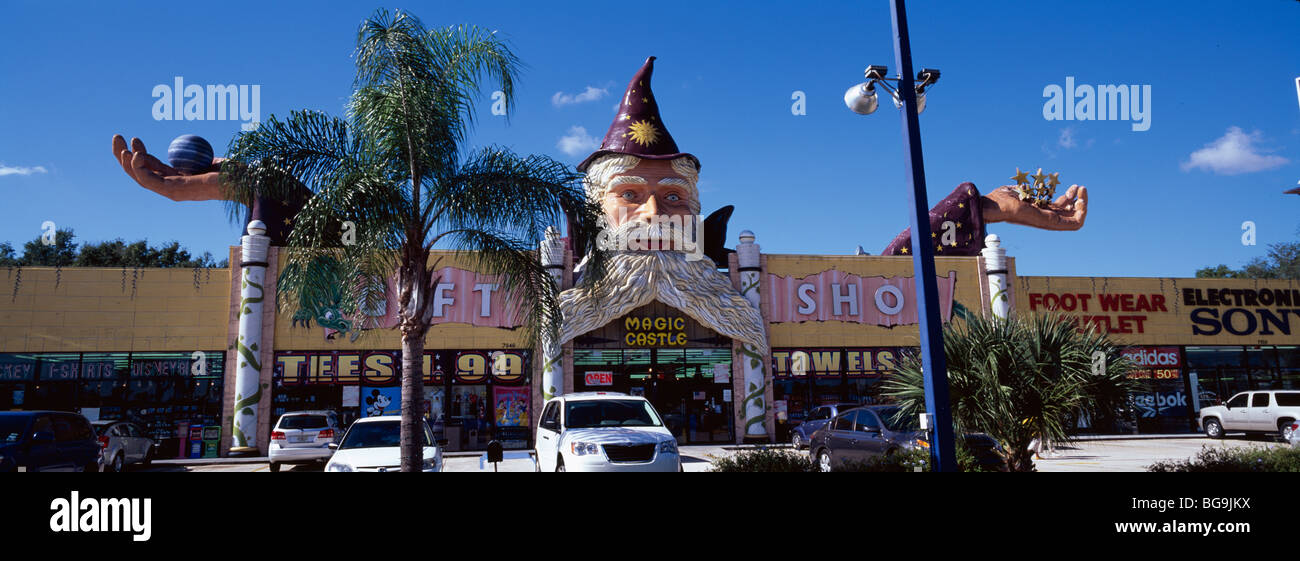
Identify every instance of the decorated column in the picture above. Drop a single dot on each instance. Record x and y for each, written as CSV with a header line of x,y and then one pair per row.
x,y
995,266
552,255
753,360
248,391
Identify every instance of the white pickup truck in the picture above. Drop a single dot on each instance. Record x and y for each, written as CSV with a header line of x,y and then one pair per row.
x,y
1253,412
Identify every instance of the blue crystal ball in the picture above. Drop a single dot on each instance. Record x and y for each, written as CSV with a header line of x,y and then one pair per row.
x,y
190,154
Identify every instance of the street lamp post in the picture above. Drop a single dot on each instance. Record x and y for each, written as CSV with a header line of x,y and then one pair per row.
x,y
861,99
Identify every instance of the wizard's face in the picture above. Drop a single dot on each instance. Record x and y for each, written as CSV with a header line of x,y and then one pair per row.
x,y
649,189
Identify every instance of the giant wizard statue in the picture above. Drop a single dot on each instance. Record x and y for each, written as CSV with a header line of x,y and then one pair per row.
x,y
638,174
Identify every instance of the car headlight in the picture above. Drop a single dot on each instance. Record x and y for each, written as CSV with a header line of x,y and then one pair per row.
x,y
584,449
340,467
668,447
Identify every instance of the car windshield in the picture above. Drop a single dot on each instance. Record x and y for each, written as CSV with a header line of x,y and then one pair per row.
x,y
303,422
13,427
610,413
380,434
896,421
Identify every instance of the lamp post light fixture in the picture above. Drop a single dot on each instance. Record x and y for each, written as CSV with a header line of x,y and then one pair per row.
x,y
862,100
909,95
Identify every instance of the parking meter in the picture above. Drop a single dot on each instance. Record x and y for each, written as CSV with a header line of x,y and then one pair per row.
x,y
494,453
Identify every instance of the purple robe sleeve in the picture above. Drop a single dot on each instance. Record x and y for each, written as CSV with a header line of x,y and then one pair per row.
x,y
963,208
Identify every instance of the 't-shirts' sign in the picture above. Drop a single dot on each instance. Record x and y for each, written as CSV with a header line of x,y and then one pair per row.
x,y
600,378
382,368
837,296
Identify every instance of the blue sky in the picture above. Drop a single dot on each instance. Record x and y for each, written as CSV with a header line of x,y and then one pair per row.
x,y
1222,78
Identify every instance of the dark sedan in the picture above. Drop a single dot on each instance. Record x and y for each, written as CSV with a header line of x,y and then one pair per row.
x,y
858,434
802,433
47,441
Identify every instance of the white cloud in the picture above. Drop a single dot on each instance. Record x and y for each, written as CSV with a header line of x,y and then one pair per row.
x,y
10,170
560,99
1234,153
1067,138
577,142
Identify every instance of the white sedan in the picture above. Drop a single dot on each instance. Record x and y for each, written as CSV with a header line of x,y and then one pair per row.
x,y
373,444
604,431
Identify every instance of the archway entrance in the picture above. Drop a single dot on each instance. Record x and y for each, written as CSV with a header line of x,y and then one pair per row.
x,y
680,366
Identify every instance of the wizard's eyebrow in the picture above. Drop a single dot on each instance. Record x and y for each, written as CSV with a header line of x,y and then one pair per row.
x,y
674,181
626,179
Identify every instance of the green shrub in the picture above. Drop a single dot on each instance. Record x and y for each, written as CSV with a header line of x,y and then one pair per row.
x,y
769,460
1221,459
776,460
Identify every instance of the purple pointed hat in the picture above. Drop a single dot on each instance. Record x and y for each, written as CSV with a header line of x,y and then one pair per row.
x,y
638,130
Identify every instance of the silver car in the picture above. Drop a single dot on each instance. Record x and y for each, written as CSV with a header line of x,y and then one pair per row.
x,y
304,437
122,444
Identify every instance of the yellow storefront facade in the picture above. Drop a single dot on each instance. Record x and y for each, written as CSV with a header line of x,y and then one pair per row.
x,y
158,346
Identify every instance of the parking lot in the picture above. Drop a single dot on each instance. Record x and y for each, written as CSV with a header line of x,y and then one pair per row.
x,y
1120,455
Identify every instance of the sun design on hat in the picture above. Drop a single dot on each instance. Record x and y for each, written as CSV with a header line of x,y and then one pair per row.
x,y
643,133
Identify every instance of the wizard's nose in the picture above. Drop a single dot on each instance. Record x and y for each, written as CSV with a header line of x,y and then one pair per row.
x,y
648,210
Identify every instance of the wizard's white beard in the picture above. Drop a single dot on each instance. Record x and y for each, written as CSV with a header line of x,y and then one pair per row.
x,y
634,279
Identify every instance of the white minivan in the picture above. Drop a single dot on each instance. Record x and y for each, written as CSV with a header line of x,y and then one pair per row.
x,y
604,431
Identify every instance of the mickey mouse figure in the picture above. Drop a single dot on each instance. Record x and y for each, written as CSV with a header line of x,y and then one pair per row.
x,y
376,403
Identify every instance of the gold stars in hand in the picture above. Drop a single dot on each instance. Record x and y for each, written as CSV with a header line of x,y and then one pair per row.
x,y
1040,180
1041,191
1021,178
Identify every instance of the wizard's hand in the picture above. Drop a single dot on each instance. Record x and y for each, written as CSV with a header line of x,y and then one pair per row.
x,y
165,180
1067,212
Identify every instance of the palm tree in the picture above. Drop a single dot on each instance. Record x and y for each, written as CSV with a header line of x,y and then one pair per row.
x,y
1021,379
398,177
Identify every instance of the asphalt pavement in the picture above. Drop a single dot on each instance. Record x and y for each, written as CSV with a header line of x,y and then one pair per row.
x,y
1094,454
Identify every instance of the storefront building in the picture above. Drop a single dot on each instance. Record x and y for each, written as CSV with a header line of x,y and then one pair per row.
x,y
1195,342
158,347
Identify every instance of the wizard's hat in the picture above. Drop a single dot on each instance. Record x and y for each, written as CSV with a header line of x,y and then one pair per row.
x,y
638,130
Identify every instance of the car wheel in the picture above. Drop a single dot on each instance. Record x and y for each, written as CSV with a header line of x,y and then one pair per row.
x,y
118,463
796,441
1284,429
1213,428
824,461
275,467
559,465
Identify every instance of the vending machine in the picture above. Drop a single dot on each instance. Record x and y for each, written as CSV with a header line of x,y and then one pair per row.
x,y
211,440
196,441
182,436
